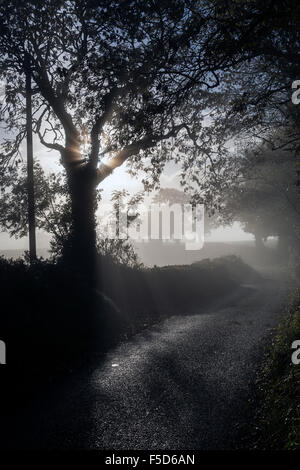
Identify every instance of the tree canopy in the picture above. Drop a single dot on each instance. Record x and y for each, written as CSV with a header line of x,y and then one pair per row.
x,y
145,83
261,193
121,76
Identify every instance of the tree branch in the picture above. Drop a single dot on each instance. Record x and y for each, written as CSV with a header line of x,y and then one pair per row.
x,y
133,149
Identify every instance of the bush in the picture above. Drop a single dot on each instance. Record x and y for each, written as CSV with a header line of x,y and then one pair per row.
x,y
277,420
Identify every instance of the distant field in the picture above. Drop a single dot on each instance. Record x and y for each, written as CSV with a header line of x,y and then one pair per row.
x,y
165,254
14,254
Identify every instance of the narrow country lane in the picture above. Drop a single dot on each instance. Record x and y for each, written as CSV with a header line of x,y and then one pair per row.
x,y
183,384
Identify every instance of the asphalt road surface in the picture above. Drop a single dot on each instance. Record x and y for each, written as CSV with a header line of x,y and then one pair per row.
x,y
183,384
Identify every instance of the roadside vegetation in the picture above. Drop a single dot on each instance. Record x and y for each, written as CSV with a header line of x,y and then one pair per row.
x,y
277,420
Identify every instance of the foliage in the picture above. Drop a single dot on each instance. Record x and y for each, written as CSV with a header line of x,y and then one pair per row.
x,y
256,94
277,420
129,84
52,203
120,249
53,212
119,78
253,103
145,83
258,187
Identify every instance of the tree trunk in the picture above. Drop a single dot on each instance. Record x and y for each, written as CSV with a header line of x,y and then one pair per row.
x,y
81,250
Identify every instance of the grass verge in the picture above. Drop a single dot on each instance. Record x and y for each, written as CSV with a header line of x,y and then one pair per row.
x,y
277,420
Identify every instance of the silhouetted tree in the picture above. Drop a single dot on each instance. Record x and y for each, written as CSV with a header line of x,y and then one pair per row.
x,y
260,192
53,212
126,80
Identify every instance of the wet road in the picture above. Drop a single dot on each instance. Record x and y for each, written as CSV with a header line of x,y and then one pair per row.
x,y
183,384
